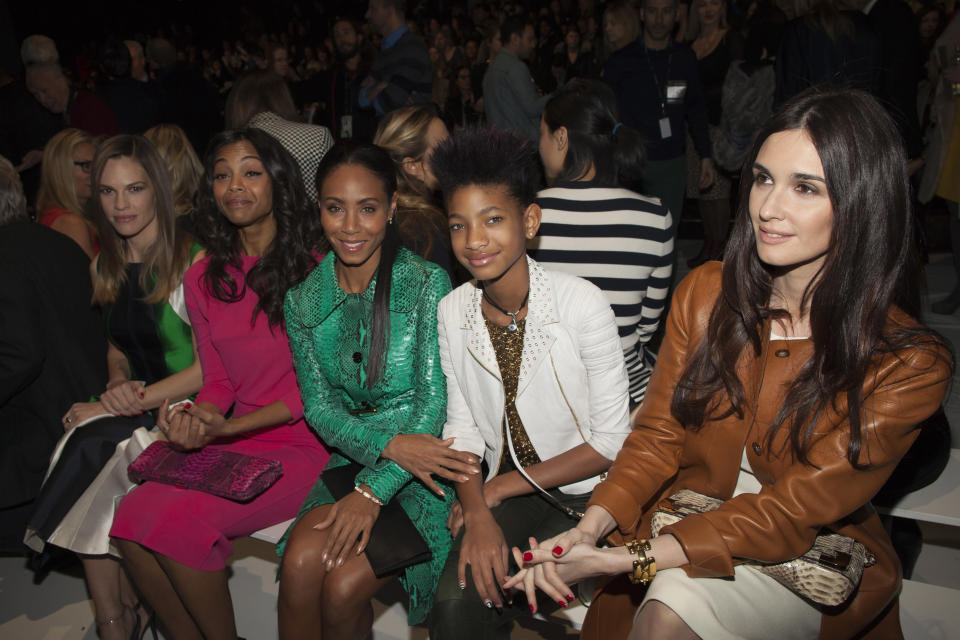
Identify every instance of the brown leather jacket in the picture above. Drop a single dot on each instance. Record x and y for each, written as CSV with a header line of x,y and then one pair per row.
x,y
659,457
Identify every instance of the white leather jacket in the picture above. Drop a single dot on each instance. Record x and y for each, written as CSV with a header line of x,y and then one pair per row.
x,y
573,381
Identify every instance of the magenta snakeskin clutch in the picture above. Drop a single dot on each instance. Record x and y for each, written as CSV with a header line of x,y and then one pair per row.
x,y
234,476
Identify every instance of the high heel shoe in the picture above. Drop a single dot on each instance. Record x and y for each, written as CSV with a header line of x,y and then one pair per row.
x,y
151,623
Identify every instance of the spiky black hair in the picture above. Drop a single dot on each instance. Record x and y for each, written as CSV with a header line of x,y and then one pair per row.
x,y
487,156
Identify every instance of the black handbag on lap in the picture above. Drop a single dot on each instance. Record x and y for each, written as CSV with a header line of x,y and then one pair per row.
x,y
394,543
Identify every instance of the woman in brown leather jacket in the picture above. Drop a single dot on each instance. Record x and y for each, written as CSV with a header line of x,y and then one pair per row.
x,y
789,384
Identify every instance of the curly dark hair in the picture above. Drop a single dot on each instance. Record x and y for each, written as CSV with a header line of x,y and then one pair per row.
x,y
290,257
487,156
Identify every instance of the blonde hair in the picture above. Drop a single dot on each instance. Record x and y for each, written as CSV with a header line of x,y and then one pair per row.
x,y
168,258
57,186
693,19
403,134
186,170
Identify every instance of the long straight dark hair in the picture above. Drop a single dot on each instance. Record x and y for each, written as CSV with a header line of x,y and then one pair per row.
x,y
378,162
290,257
870,265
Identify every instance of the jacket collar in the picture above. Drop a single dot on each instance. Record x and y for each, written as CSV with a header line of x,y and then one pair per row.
x,y
537,340
321,294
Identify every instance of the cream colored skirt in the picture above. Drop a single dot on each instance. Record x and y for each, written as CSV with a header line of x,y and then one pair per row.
x,y
86,527
751,606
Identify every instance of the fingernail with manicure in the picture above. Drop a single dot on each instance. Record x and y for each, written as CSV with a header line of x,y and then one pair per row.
x,y
557,550
562,603
141,394
462,585
527,556
488,604
188,405
570,597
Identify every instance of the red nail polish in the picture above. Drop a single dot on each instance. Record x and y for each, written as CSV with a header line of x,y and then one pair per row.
x,y
527,556
141,394
557,550
562,603
531,608
187,406
569,597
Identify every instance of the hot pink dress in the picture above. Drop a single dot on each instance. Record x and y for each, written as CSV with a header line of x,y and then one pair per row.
x,y
245,368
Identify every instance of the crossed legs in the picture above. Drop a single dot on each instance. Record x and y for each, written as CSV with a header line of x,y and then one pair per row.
x,y
316,602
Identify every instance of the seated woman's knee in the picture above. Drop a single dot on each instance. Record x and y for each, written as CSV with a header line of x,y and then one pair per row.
x,y
303,556
657,620
340,589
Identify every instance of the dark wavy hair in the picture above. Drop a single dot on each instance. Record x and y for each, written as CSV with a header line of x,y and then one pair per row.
x,y
378,162
588,109
870,266
290,257
487,156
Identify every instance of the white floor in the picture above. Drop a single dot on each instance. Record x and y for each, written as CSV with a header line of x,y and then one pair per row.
x,y
59,609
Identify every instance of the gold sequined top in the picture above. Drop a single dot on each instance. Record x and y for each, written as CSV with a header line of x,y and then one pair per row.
x,y
508,346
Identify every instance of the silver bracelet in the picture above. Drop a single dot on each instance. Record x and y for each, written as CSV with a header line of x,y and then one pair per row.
x,y
369,496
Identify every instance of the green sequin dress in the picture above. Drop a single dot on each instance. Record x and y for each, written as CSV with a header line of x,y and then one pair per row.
x,y
329,339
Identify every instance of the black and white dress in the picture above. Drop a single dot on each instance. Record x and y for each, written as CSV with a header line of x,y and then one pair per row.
x,y
620,241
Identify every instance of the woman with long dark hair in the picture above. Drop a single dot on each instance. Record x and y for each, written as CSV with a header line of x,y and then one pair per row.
x,y
789,385
363,331
260,241
594,226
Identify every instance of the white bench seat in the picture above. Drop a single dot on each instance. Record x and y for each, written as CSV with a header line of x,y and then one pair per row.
x,y
938,502
274,533
929,612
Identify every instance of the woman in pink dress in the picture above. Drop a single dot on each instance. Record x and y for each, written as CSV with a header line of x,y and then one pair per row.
x,y
260,241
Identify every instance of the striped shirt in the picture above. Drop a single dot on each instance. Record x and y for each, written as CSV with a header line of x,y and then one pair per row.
x,y
620,241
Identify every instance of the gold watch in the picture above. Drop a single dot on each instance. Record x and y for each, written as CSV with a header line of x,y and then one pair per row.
x,y
644,567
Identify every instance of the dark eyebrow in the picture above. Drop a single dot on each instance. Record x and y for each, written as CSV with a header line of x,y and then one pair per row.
x,y
223,159
795,176
361,200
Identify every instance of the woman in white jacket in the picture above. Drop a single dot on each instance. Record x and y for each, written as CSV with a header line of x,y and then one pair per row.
x,y
536,380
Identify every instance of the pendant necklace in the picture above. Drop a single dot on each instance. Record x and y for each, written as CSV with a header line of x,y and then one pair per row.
x,y
512,327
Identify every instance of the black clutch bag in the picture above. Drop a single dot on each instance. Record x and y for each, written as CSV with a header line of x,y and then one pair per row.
x,y
395,543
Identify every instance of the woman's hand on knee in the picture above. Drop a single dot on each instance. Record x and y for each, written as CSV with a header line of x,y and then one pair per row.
x,y
424,456
348,525
485,550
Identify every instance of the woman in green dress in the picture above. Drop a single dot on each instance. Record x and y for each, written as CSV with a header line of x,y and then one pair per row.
x,y
363,332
